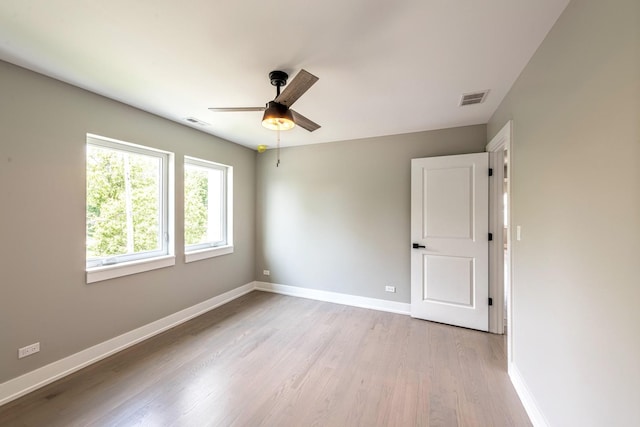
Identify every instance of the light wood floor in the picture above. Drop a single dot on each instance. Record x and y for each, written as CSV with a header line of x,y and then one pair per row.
x,y
273,360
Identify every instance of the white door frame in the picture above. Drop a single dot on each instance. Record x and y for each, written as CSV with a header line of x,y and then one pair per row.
x,y
496,147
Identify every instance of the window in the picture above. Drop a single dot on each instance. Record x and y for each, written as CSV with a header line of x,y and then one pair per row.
x,y
128,198
207,209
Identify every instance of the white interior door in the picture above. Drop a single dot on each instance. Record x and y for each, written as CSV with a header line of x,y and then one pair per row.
x,y
449,232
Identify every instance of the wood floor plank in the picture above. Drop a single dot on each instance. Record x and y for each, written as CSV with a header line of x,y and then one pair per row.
x,y
273,360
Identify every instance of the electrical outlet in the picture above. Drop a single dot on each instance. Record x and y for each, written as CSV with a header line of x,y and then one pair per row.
x,y
266,273
28,350
390,289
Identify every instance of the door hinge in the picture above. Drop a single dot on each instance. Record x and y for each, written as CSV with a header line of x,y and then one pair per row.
x,y
490,171
490,301
490,236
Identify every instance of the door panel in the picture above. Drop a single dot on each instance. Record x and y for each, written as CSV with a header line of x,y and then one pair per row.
x,y
448,280
447,208
449,216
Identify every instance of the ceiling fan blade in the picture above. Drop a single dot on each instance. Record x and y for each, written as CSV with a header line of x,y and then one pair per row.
x,y
303,122
294,90
236,109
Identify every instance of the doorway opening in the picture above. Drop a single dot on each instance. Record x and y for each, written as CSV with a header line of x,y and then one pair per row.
x,y
505,240
500,316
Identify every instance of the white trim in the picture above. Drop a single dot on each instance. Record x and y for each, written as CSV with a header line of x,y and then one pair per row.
x,y
31,381
207,253
107,142
165,209
502,138
40,377
198,252
97,274
335,297
526,397
496,147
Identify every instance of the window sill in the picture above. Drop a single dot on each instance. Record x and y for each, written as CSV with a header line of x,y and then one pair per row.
x,y
207,253
97,274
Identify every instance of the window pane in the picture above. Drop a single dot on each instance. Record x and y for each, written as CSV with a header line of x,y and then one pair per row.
x,y
216,213
196,194
123,202
204,205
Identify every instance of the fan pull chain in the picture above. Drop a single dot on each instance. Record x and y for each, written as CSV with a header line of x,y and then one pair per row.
x,y
278,147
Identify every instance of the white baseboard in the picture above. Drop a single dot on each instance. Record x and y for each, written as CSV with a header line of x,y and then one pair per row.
x,y
527,399
40,377
335,297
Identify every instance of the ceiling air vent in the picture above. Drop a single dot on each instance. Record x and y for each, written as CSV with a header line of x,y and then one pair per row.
x,y
473,98
196,121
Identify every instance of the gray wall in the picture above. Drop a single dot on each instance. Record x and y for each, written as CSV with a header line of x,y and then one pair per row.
x,y
576,194
336,216
43,295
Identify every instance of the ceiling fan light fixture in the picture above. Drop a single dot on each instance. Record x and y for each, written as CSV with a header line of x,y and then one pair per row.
x,y
277,117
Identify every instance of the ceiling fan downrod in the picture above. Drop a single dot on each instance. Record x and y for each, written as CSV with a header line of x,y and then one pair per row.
x,y
278,79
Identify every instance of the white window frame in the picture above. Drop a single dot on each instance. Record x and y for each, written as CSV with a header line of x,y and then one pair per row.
x,y
213,249
122,265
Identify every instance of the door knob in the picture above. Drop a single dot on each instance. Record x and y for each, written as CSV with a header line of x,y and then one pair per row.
x,y
418,246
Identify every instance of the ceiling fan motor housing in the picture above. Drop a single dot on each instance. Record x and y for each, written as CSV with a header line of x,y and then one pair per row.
x,y
278,78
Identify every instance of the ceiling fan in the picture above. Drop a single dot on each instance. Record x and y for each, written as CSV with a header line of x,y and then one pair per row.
x,y
277,113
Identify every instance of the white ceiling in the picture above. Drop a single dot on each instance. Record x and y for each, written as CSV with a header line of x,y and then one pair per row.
x,y
385,67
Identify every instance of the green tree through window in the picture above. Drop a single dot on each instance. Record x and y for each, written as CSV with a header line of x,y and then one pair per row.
x,y
196,201
206,202
124,203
